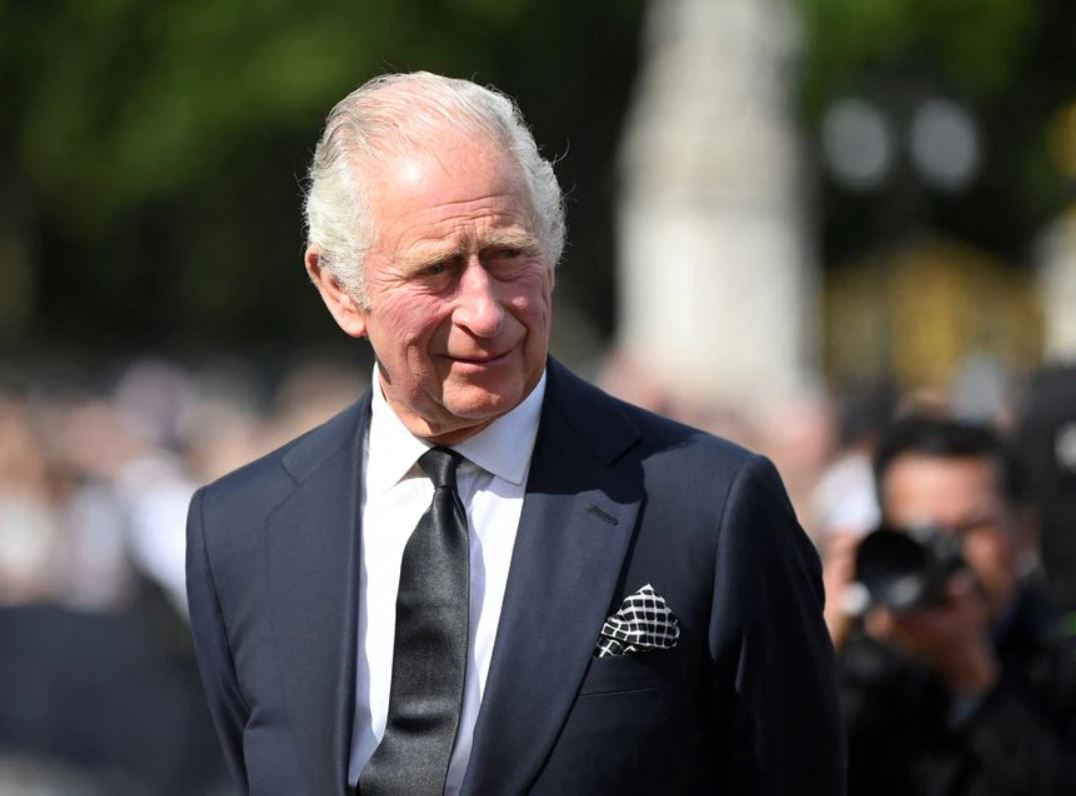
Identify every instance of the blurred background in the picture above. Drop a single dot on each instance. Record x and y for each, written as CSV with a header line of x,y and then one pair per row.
x,y
787,219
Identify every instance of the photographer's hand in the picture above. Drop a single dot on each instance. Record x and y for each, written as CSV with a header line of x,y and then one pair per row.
x,y
952,639
838,571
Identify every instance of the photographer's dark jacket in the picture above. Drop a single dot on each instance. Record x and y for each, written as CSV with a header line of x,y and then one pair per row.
x,y
907,736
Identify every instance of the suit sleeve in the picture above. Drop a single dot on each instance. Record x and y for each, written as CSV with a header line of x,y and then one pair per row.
x,y
774,688
226,703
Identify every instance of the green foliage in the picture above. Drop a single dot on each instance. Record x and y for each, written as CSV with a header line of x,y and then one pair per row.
x,y
978,45
1009,63
143,98
156,148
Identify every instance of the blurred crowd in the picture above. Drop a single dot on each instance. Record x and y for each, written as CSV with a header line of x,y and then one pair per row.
x,y
969,684
99,691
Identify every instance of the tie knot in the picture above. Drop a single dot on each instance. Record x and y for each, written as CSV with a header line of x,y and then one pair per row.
x,y
440,465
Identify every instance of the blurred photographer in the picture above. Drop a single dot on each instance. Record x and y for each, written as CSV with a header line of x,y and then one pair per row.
x,y
955,679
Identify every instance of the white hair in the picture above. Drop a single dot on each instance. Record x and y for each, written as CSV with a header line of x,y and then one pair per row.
x,y
401,113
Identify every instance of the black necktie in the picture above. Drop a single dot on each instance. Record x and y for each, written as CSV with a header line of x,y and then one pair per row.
x,y
430,650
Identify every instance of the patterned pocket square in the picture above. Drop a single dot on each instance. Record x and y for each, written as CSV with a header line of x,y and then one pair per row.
x,y
642,623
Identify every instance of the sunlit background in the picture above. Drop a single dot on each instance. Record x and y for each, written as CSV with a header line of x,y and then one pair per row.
x,y
786,220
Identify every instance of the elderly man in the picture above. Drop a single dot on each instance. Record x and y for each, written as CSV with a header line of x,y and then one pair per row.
x,y
488,577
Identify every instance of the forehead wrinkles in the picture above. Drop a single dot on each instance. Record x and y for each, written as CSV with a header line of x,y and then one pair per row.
x,y
465,223
456,195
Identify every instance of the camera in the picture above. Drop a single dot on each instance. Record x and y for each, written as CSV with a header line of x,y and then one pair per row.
x,y
906,570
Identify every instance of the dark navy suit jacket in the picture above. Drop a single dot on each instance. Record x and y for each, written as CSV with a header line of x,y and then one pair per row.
x,y
616,498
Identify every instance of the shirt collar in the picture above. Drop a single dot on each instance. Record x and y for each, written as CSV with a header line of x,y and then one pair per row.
x,y
503,447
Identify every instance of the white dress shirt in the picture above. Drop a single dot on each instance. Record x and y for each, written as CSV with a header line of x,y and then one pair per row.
x,y
395,494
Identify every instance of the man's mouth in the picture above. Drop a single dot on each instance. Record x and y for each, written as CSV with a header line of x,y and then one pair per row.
x,y
481,359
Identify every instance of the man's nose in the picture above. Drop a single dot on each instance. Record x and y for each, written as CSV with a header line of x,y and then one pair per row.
x,y
478,309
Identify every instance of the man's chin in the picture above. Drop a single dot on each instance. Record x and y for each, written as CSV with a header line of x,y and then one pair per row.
x,y
480,405
458,427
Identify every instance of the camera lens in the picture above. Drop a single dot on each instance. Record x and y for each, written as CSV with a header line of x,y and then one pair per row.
x,y
895,569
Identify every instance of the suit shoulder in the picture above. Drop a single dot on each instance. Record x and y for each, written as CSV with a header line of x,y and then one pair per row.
x,y
701,467
599,416
664,437
260,483
689,440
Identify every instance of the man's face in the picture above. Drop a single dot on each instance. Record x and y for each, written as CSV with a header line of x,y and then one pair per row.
x,y
458,290
962,496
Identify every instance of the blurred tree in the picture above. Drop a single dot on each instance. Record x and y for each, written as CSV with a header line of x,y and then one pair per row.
x,y
1008,63
978,45
152,153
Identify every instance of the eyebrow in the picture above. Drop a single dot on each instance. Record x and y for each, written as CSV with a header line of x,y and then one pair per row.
x,y
426,254
509,239
973,521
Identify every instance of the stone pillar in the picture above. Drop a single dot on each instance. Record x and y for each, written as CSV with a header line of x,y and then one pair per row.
x,y
717,288
1056,288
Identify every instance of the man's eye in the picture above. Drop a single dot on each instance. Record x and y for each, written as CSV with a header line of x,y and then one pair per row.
x,y
506,253
436,269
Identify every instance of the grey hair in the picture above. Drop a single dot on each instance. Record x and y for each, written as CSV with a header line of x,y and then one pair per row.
x,y
398,113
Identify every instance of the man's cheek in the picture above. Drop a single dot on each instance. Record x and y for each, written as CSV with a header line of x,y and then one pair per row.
x,y
405,320
531,309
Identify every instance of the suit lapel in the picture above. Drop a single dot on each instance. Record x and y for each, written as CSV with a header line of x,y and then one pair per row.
x,y
313,542
578,517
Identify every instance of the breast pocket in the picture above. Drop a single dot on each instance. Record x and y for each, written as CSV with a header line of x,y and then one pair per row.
x,y
634,671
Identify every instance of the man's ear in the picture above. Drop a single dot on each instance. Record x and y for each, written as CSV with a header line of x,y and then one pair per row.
x,y
345,308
